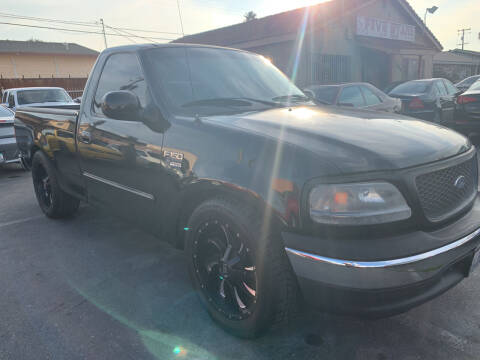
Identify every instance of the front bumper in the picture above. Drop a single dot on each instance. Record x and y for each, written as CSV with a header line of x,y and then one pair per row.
x,y
385,287
9,151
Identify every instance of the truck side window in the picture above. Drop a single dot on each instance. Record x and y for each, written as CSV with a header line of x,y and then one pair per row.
x,y
121,72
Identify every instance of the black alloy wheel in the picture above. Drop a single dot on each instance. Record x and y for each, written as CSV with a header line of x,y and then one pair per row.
x,y
239,268
43,187
225,269
53,201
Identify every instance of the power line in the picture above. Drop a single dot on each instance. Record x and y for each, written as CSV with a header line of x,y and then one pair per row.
x,y
180,16
79,31
132,35
78,23
128,37
33,18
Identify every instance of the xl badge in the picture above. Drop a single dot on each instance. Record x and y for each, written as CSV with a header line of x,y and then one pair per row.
x,y
460,182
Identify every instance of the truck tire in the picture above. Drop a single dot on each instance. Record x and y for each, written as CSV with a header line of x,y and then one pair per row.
x,y
53,201
241,275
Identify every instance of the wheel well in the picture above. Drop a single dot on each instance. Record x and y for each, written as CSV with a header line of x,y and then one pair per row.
x,y
200,196
33,150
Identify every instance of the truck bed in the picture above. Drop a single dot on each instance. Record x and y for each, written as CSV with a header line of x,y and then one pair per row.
x,y
49,129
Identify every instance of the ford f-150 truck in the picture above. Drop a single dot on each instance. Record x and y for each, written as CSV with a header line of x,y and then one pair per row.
x,y
274,199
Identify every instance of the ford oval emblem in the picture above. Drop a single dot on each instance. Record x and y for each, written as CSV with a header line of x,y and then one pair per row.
x,y
460,182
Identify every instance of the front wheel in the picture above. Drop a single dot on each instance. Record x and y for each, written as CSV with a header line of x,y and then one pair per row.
x,y
53,201
243,278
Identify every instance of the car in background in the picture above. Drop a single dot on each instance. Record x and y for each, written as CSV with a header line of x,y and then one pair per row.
x,y
357,95
427,99
392,85
39,97
466,83
467,111
9,152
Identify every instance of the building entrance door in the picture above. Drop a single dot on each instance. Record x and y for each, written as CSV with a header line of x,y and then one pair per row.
x,y
376,67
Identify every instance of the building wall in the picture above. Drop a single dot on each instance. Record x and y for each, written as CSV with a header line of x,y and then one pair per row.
x,y
29,66
455,72
405,60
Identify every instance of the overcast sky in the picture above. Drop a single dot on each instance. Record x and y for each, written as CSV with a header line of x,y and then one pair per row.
x,y
198,15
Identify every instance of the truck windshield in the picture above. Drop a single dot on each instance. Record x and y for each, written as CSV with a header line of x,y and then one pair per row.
x,y
209,81
42,95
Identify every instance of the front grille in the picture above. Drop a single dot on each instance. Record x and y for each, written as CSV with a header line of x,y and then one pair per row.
x,y
441,192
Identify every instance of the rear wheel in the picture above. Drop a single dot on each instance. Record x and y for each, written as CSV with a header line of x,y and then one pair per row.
x,y
53,201
243,278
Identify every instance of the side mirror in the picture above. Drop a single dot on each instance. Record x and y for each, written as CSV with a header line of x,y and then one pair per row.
x,y
121,105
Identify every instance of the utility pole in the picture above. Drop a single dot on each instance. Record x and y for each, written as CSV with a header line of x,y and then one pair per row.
x,y
462,38
104,35
180,16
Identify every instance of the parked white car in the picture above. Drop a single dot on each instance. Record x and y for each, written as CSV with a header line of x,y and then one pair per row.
x,y
37,97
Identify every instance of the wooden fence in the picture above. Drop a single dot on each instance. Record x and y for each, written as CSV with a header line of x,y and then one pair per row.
x,y
74,86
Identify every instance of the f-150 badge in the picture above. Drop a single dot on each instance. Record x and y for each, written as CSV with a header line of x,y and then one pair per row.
x,y
173,158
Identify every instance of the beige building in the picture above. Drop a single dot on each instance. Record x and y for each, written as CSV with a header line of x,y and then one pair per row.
x,y
34,59
457,64
378,41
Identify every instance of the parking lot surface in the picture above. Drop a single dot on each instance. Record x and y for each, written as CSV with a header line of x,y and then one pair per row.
x,y
95,287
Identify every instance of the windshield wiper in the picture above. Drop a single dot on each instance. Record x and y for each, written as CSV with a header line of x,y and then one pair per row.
x,y
234,101
294,97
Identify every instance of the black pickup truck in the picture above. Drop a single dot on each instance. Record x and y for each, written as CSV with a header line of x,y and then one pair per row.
x,y
275,200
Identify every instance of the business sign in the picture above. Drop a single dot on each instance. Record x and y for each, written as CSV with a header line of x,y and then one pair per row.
x,y
372,27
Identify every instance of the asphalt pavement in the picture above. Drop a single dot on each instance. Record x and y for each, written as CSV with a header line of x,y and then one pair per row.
x,y
95,287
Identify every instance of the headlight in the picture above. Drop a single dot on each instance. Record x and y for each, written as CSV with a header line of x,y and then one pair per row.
x,y
357,204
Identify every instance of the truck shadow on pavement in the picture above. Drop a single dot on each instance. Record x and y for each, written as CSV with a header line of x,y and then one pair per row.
x,y
143,283
74,276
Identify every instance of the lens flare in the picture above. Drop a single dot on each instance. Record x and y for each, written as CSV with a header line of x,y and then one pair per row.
x,y
179,351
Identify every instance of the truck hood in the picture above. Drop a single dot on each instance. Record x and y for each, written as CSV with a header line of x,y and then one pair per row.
x,y
354,140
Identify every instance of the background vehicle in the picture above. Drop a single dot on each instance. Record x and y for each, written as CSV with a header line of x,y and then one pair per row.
x,y
358,95
38,96
9,152
390,86
5,98
269,194
427,99
467,111
466,83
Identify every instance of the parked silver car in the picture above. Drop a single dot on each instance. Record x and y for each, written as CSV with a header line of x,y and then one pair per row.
x,y
8,145
358,95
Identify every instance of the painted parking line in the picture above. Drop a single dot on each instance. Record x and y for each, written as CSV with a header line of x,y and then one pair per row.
x,y
19,221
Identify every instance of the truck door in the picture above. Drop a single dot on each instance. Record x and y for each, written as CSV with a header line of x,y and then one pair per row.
x,y
118,157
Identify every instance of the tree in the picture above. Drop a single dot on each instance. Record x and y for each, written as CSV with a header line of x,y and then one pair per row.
x,y
249,16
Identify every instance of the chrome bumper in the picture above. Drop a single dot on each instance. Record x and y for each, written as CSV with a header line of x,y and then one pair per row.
x,y
371,275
